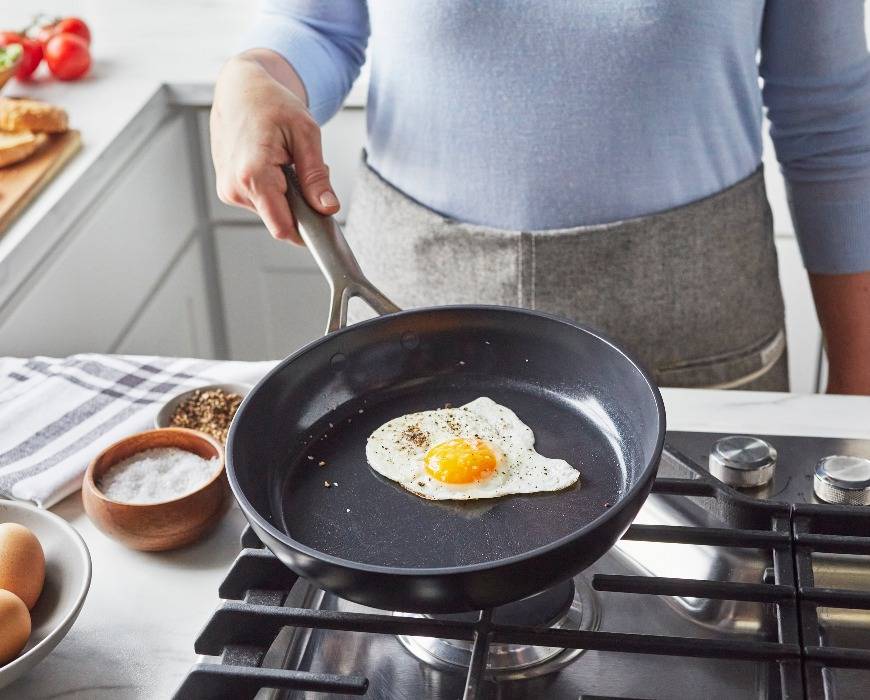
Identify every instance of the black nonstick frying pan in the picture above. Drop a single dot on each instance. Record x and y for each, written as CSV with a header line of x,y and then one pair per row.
x,y
296,450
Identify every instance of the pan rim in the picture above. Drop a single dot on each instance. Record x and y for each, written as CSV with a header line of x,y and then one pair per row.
x,y
646,474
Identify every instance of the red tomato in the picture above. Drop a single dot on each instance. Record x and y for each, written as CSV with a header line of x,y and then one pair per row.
x,y
67,25
67,56
74,25
31,53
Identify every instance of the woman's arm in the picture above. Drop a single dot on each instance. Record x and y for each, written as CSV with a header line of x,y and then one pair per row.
x,y
843,302
301,61
816,74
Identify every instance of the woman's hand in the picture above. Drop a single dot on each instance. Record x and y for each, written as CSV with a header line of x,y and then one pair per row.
x,y
259,122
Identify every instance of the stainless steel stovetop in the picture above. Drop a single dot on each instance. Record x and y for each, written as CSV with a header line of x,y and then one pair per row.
x,y
752,580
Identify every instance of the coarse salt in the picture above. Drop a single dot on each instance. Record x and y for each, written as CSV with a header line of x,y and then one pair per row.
x,y
158,474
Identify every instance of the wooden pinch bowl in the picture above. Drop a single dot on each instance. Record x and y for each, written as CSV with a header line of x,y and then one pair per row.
x,y
154,527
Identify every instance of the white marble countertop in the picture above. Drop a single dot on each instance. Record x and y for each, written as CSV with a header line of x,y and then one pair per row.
x,y
134,638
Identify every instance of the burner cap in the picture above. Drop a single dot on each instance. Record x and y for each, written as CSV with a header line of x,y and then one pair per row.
x,y
515,661
843,480
742,461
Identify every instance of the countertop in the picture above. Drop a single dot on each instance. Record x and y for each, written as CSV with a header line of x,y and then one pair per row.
x,y
134,638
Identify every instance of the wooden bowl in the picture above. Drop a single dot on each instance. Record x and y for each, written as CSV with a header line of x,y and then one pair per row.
x,y
154,527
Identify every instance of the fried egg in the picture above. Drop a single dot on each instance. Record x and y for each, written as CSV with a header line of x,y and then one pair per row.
x,y
479,450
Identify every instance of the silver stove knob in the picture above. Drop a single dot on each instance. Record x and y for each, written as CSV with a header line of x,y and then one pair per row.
x,y
843,480
742,461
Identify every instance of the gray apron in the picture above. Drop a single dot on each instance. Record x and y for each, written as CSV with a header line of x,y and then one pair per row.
x,y
692,293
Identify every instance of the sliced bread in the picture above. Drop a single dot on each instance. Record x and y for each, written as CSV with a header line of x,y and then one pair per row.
x,y
16,146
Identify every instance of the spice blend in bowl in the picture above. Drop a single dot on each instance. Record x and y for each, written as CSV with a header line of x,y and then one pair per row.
x,y
208,410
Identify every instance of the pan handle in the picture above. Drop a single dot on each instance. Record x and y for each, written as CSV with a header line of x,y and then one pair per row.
x,y
333,256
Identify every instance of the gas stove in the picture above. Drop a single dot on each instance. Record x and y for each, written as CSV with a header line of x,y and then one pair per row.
x,y
757,589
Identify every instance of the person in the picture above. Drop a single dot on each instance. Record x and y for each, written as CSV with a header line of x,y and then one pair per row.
x,y
599,160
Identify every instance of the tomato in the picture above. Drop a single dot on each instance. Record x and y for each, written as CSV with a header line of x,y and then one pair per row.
x,y
67,56
74,25
31,53
67,25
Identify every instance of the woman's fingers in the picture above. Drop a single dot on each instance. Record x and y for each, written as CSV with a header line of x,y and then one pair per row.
x,y
276,214
312,172
268,195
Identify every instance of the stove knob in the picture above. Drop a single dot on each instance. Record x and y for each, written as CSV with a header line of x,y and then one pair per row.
x,y
843,480
742,461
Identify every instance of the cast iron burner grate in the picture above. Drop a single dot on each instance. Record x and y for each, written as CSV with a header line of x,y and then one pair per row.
x,y
254,591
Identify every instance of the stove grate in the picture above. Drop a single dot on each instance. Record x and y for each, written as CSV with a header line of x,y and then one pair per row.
x,y
255,589
828,529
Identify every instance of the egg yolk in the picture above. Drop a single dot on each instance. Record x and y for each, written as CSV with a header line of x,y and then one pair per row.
x,y
460,461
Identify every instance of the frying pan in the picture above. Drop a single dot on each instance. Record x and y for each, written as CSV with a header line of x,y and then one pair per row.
x,y
296,449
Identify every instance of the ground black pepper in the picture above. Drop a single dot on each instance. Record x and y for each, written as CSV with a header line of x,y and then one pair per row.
x,y
210,411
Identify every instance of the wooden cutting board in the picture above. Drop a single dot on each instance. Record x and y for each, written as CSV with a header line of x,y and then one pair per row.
x,y
21,182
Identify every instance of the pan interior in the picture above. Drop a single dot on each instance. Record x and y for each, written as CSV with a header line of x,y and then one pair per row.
x,y
366,518
584,399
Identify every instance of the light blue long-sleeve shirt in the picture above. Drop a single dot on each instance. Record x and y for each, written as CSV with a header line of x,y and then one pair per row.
x,y
559,113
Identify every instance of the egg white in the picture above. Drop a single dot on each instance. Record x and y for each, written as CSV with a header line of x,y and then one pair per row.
x,y
396,451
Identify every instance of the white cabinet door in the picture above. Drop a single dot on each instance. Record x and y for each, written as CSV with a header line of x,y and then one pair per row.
x,y
275,299
823,372
89,289
343,140
802,327
175,321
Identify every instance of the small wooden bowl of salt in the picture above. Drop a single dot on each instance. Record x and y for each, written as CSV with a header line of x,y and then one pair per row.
x,y
157,490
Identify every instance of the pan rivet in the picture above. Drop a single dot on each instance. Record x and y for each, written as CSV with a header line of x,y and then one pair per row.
x,y
338,360
410,340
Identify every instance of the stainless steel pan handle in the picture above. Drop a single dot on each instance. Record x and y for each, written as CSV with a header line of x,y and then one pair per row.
x,y
333,256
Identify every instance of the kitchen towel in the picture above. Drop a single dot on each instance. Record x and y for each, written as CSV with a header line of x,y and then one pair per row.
x,y
57,414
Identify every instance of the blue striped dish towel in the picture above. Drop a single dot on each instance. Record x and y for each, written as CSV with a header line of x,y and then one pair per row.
x,y
57,414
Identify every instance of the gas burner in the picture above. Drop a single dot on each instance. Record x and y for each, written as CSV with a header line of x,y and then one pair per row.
x,y
580,611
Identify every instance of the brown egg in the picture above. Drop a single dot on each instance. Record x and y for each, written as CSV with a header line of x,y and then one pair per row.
x,y
22,563
14,626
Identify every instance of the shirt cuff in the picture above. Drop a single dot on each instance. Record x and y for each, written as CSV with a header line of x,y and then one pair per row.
x,y
304,50
833,234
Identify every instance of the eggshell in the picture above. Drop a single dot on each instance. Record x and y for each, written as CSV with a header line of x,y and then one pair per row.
x,y
14,626
22,563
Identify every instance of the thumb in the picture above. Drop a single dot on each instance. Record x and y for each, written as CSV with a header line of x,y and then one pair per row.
x,y
312,172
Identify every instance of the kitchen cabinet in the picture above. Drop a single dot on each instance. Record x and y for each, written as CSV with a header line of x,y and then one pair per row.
x,y
274,298
175,320
92,286
823,372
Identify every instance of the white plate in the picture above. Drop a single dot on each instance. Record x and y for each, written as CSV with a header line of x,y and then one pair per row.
x,y
67,578
161,420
